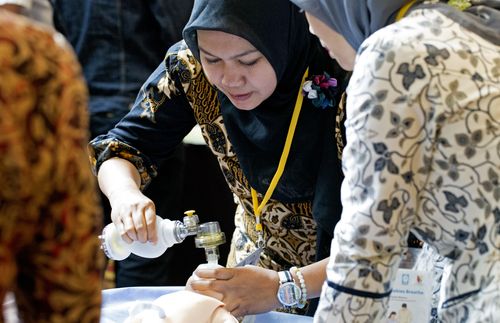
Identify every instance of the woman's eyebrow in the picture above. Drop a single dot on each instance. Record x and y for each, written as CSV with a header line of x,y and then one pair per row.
x,y
250,51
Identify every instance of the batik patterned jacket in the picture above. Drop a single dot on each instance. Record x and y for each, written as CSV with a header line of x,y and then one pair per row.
x,y
49,213
175,98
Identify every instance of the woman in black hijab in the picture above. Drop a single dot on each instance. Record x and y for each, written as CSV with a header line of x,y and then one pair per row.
x,y
422,127
265,94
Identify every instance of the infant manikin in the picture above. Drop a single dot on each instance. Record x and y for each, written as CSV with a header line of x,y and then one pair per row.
x,y
180,307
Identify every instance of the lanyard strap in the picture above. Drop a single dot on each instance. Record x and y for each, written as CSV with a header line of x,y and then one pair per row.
x,y
404,9
257,208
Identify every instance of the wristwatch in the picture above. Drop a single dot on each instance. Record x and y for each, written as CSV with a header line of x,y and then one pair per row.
x,y
289,293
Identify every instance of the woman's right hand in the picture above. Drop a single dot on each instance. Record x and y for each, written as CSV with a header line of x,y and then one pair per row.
x,y
134,215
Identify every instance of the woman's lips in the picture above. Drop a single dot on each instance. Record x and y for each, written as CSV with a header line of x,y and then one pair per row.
x,y
240,97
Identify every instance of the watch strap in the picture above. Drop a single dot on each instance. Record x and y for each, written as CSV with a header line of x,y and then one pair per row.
x,y
289,294
285,276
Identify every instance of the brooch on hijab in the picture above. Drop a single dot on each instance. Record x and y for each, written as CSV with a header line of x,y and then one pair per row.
x,y
321,89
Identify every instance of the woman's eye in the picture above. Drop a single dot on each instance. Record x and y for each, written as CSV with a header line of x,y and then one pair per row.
x,y
249,63
212,61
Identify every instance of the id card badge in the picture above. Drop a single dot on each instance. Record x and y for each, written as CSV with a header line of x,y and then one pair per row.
x,y
251,259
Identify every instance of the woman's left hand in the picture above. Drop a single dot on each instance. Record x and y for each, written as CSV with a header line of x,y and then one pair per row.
x,y
244,290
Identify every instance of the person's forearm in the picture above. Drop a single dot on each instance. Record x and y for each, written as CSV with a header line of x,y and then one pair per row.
x,y
115,174
314,276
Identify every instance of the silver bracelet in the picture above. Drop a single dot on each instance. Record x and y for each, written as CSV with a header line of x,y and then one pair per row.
x,y
303,288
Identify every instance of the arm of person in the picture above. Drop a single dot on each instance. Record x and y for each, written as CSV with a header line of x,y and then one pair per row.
x,y
314,277
126,158
251,289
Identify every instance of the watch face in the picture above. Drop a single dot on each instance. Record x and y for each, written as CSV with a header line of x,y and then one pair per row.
x,y
289,294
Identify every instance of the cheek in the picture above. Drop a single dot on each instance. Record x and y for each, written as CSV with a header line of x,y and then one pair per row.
x,y
328,39
211,72
270,87
265,82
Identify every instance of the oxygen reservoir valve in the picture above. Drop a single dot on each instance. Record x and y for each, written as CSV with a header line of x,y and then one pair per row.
x,y
210,237
191,222
169,233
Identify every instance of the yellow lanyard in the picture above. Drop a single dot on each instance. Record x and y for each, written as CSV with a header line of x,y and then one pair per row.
x,y
257,208
404,9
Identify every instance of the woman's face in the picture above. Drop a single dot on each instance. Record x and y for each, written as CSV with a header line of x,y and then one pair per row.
x,y
337,46
236,68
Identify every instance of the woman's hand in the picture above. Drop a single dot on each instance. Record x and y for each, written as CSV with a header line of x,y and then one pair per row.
x,y
133,214
244,290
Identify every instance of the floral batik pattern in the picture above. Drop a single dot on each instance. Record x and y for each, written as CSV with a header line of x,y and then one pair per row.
x,y
422,154
49,210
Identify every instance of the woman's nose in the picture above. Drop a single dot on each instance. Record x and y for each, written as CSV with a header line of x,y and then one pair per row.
x,y
231,77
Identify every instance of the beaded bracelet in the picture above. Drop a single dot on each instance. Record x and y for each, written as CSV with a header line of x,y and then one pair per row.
x,y
300,277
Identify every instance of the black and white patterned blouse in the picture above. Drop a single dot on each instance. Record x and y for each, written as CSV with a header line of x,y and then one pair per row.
x,y
422,154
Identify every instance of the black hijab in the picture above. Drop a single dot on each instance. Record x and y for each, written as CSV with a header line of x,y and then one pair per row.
x,y
274,27
280,32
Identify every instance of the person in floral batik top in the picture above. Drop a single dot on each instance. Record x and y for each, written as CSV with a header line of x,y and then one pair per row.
x,y
49,214
422,154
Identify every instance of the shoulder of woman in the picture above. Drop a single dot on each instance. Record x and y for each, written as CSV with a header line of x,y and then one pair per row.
x,y
180,60
41,56
181,65
410,35
397,57
395,36
31,39
404,42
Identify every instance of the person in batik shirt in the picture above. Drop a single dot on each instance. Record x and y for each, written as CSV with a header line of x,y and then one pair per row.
x,y
49,214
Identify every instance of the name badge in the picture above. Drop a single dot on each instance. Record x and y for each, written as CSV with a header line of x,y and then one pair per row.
x,y
411,297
